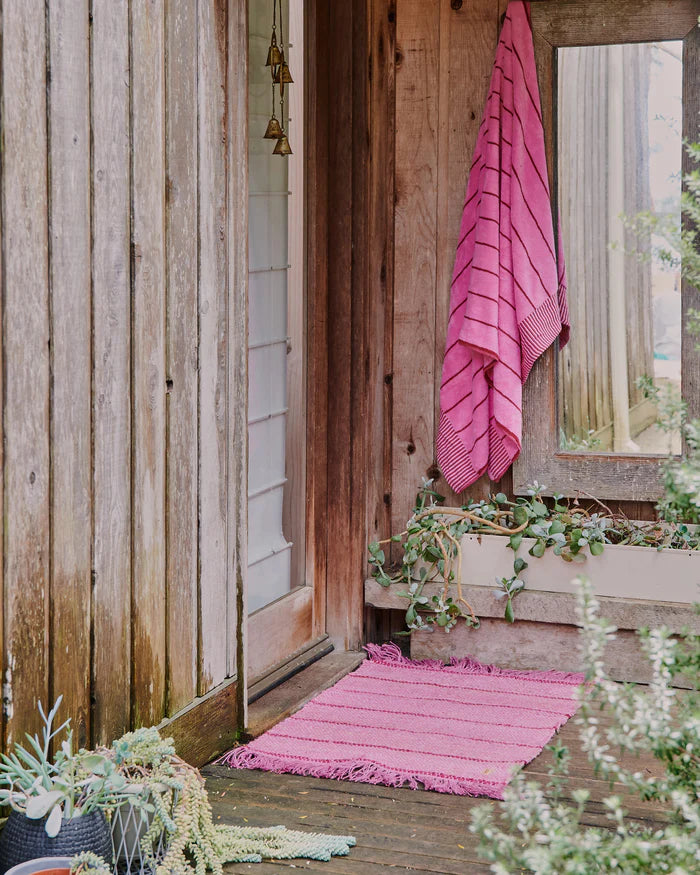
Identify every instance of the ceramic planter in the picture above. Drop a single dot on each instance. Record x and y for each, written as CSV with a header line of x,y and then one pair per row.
x,y
620,571
23,839
42,866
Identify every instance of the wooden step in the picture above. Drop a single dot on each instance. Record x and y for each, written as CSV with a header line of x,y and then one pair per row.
x,y
291,695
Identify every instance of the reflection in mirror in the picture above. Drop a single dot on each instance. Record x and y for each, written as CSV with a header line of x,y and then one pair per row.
x,y
618,154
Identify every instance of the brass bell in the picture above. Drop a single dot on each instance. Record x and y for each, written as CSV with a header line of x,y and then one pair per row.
x,y
282,146
274,55
281,76
274,130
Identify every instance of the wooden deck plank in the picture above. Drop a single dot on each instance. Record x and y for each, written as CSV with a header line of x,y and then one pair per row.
x,y
396,829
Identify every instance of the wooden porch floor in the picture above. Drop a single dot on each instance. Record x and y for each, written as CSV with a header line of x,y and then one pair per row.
x,y
398,830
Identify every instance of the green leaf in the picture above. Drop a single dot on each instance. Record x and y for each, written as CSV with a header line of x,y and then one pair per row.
x,y
39,806
509,615
500,498
537,549
539,508
596,548
520,515
519,565
54,821
556,528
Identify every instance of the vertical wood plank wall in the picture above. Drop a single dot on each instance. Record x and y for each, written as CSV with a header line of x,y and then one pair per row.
x,y
429,71
122,393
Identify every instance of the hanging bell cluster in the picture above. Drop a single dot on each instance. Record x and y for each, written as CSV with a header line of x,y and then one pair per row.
x,y
280,77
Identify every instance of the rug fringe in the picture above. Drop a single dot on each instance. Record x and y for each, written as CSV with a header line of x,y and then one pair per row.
x,y
360,772
390,654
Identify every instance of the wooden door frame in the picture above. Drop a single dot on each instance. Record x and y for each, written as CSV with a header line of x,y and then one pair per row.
x,y
339,370
337,429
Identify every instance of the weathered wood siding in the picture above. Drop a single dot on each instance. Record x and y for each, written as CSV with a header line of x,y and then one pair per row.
x,y
123,382
429,69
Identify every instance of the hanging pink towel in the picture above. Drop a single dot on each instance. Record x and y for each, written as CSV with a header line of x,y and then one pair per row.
x,y
508,298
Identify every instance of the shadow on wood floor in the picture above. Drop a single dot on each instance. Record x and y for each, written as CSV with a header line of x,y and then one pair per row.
x,y
397,830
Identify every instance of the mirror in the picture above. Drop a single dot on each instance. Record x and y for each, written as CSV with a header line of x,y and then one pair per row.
x,y
619,149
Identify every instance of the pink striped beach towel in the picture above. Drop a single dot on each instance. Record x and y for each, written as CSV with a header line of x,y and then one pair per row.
x,y
508,297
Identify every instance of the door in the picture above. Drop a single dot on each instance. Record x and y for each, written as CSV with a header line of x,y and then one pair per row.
x,y
280,593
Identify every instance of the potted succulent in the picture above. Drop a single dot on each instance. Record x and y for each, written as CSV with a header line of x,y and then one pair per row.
x,y
57,803
164,818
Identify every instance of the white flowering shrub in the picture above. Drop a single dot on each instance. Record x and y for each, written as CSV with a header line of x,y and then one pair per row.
x,y
537,828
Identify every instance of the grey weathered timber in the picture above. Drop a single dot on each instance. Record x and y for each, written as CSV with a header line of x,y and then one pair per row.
x,y
148,361
213,353
71,463
237,444
25,355
111,378
181,352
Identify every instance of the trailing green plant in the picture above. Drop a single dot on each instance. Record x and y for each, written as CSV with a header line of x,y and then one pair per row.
x,y
536,828
430,546
173,796
88,863
68,785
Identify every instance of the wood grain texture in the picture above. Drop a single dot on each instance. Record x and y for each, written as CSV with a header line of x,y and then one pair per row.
x,y
213,339
415,253
25,316
207,726
181,353
294,693
317,137
148,362
111,355
598,22
460,114
381,27
70,309
291,619
237,556
347,326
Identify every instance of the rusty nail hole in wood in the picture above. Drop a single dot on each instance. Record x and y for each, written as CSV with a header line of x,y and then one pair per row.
x,y
169,385
456,4
387,498
392,16
32,478
410,449
388,379
433,472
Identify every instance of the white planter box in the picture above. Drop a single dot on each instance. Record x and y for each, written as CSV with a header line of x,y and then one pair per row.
x,y
620,571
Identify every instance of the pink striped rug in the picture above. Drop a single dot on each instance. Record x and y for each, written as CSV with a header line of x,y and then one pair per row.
x,y
462,728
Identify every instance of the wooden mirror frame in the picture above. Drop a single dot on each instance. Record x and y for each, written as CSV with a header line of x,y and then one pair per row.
x,y
558,24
